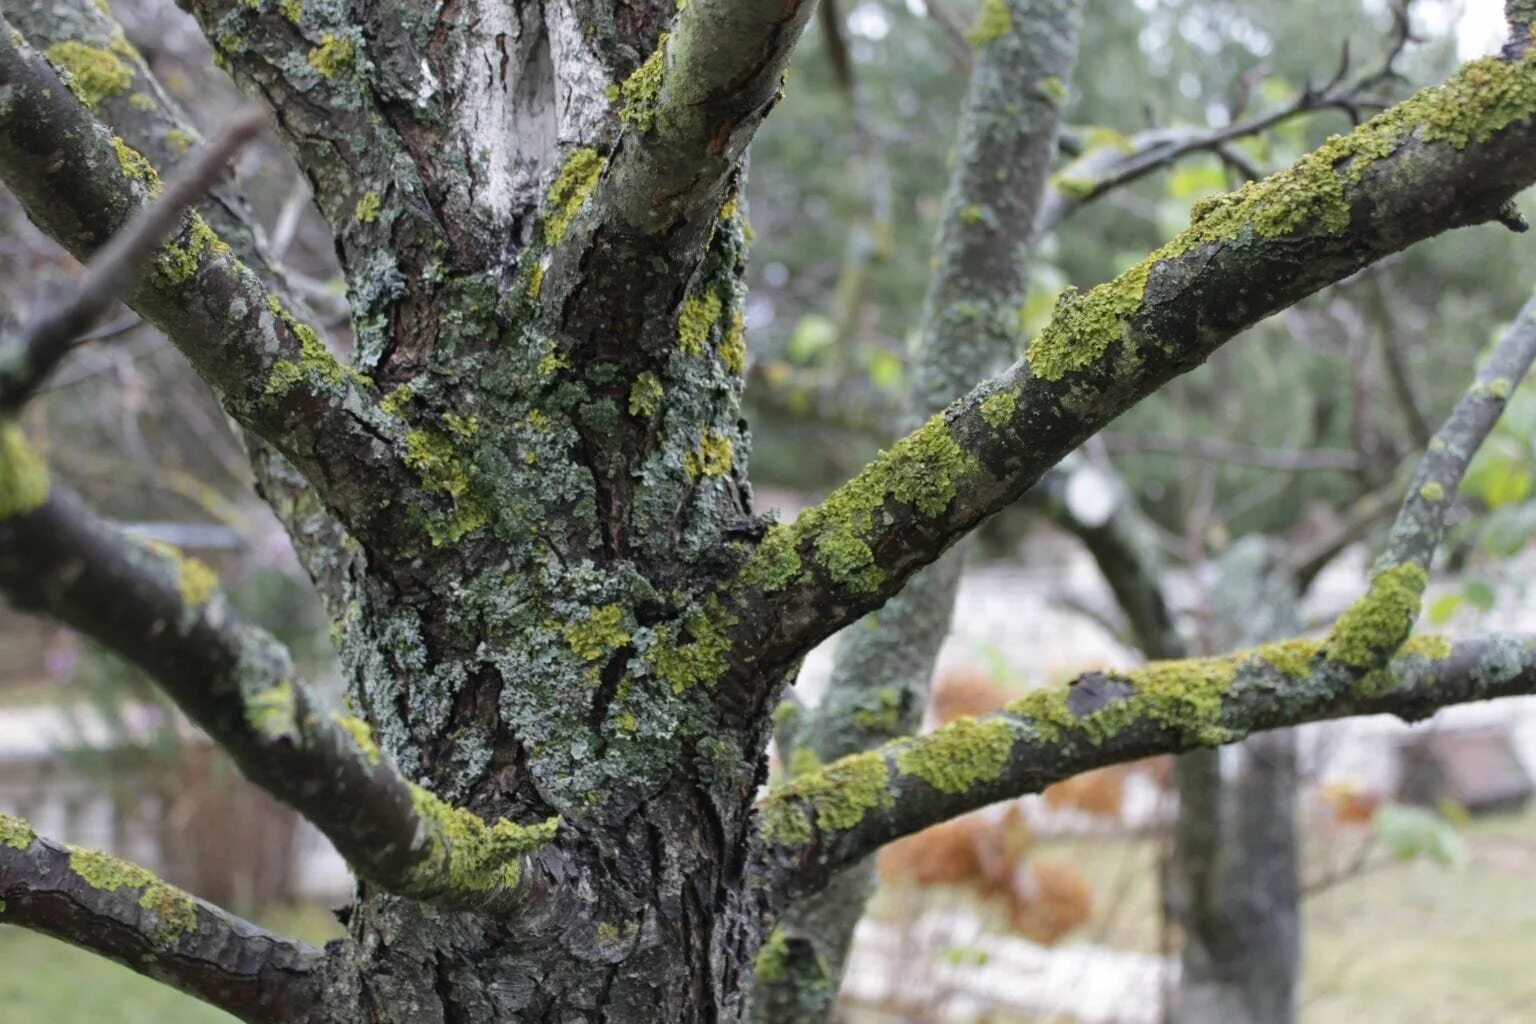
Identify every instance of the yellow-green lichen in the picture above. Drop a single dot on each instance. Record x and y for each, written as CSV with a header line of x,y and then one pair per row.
x,y
959,755
880,711
992,22
776,560
597,634
700,660
694,322
573,186
361,735
1432,491
465,854
94,74
175,261
433,456
194,580
642,88
15,833
1045,710
1310,196
336,55
838,796
135,166
645,395
1432,647
175,912
1374,627
178,140
1054,90
368,207
1292,658
397,401
315,364
733,344
293,10
713,457
998,409
273,712
772,964
23,476
803,761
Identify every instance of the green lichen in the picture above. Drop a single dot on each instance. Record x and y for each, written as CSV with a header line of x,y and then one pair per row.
x,y
642,88
803,761
1432,491
959,755
1432,647
361,735
194,580
273,712
1044,710
23,476
1374,627
436,462
772,964
997,410
397,401
971,215
175,912
134,165
15,833
1054,90
776,560
733,344
178,140
94,74
712,459
336,55
573,186
315,364
175,261
698,317
368,207
645,395
464,854
698,661
1076,189
1486,96
880,711
597,634
1292,658
992,22
838,796
293,10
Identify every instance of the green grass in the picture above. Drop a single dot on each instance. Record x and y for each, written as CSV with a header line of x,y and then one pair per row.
x,y
42,979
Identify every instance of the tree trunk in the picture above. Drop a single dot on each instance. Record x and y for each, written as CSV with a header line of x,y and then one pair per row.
x,y
1231,883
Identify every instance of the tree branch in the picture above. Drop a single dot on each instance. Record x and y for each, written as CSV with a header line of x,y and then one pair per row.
x,y
27,360
123,912
272,373
164,613
1450,156
825,821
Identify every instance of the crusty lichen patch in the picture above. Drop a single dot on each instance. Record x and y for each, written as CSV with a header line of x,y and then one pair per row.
x,y
923,470
23,476
94,73
272,713
464,854
175,912
15,833
437,462
959,755
600,632
1309,197
1374,627
992,22
835,798
315,365
713,457
334,57
697,661
195,582
361,735
641,89
574,184
698,317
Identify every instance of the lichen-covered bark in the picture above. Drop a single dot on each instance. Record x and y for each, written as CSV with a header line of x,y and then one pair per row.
x,y
560,605
970,322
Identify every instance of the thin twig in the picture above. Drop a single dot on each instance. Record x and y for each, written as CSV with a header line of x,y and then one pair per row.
x,y
26,361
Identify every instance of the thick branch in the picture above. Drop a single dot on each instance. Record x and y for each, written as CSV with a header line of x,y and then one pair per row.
x,y
822,822
272,373
1451,156
123,912
164,613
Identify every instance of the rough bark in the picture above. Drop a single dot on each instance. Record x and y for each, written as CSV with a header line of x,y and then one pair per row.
x,y
559,602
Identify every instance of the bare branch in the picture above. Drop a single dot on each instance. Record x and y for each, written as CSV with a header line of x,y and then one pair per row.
x,y
1300,460
1400,178
164,613
123,912
272,373
26,361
